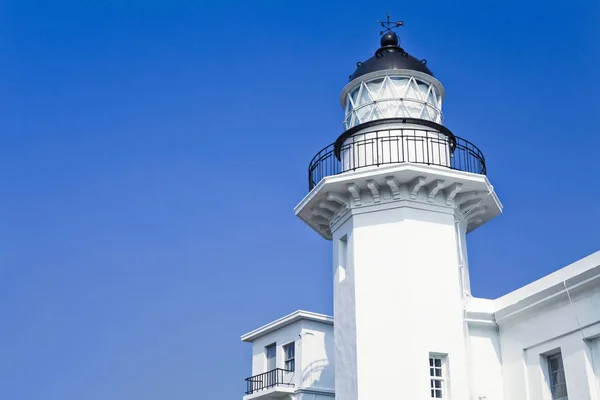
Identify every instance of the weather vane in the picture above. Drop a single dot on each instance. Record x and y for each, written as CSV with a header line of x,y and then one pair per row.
x,y
389,25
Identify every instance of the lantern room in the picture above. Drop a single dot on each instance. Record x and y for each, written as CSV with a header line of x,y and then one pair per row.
x,y
391,84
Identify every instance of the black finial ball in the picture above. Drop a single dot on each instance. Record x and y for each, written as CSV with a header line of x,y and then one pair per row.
x,y
389,39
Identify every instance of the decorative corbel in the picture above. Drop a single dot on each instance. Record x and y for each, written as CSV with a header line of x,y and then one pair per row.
x,y
324,213
355,193
451,192
394,187
374,188
433,188
338,198
464,197
415,185
328,205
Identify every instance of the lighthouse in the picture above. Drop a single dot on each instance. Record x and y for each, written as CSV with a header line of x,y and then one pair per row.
x,y
396,193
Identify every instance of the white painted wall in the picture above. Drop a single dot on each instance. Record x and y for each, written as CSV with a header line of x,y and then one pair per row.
x,y
395,333
465,274
407,303
317,370
526,339
595,357
485,369
343,310
314,356
281,337
313,396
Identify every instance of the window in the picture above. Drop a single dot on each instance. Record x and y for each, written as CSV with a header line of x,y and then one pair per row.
x,y
342,258
436,377
595,344
558,384
290,354
271,352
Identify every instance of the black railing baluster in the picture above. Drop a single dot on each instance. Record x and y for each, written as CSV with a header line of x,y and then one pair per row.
x,y
464,156
269,379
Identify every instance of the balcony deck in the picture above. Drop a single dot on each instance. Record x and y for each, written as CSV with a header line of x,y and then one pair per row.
x,y
273,383
387,146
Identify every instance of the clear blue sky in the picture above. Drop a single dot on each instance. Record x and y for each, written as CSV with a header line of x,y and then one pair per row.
x,y
152,153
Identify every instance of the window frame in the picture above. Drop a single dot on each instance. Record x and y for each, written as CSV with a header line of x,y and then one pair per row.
x,y
267,348
561,369
442,378
291,360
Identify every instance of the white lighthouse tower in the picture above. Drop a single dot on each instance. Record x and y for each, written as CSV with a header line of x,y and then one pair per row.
x,y
396,193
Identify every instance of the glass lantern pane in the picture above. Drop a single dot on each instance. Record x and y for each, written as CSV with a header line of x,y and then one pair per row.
x,y
362,114
412,91
377,114
432,99
401,112
388,91
433,114
354,94
400,85
414,108
388,107
423,89
425,114
348,106
347,124
363,96
350,121
375,87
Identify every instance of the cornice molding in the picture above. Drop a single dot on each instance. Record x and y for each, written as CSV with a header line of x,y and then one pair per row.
x,y
406,185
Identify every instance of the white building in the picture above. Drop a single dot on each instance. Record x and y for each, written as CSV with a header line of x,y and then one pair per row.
x,y
397,194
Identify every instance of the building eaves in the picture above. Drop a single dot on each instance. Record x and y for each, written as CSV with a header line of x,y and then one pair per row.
x,y
284,321
576,276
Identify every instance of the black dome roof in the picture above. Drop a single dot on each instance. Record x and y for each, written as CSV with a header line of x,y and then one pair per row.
x,y
390,56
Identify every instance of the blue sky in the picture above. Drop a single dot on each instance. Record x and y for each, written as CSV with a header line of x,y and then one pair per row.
x,y
152,153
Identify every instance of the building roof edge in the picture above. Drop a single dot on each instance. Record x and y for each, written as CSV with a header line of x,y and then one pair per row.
x,y
284,321
573,275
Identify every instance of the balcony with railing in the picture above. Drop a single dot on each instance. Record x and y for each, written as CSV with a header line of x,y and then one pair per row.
x,y
394,146
273,382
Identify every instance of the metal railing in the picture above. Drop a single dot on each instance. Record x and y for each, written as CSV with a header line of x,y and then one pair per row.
x,y
266,380
394,146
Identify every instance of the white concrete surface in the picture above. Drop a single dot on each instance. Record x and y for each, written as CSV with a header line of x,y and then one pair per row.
x,y
506,341
399,283
314,355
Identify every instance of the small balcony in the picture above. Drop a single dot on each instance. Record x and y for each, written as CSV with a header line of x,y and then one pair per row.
x,y
375,148
273,382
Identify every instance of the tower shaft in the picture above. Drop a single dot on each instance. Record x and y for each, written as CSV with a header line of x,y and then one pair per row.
x,y
397,299
400,282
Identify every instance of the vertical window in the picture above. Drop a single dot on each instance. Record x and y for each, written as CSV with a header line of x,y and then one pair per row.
x,y
342,258
271,352
558,384
437,385
290,354
596,358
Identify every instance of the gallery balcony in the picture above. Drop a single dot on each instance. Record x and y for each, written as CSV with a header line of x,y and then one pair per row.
x,y
271,384
382,147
